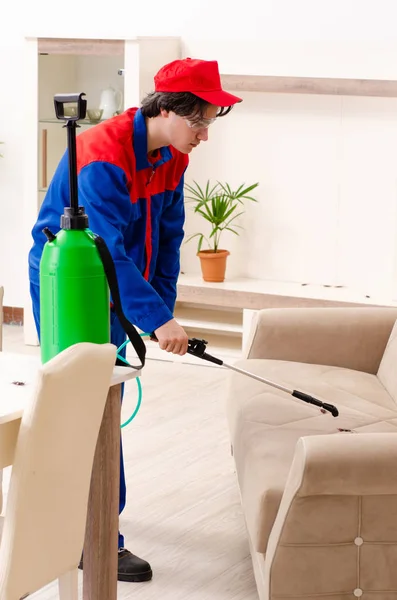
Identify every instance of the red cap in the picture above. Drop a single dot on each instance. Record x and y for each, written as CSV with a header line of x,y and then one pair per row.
x,y
200,77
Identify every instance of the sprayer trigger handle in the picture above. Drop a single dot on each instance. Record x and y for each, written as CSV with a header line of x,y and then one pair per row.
x,y
197,347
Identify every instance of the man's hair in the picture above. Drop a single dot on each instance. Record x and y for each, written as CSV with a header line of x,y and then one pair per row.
x,y
183,104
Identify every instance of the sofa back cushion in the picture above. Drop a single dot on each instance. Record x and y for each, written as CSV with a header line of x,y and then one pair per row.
x,y
387,372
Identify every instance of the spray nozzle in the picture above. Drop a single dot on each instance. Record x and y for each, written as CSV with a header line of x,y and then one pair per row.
x,y
49,235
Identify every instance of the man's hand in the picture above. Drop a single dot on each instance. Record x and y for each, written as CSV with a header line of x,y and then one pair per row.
x,y
172,338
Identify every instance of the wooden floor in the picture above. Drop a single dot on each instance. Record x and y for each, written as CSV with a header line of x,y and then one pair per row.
x,y
183,511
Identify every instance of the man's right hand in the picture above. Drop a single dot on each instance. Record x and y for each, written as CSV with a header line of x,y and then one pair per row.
x,y
172,338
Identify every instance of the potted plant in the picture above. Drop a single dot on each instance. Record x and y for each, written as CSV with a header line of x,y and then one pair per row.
x,y
220,206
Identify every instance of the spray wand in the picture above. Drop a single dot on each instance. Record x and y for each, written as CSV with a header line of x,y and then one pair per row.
x,y
198,348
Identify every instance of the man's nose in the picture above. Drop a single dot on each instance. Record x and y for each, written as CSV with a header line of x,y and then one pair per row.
x,y
202,135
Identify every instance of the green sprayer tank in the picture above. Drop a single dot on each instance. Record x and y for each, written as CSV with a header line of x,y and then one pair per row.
x,y
74,292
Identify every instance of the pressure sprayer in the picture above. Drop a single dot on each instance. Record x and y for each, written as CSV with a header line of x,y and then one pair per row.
x,y
77,270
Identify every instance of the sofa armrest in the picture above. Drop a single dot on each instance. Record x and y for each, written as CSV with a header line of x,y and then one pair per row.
x,y
346,464
353,338
340,493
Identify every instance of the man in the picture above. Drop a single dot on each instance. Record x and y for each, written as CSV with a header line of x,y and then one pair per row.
x,y
130,182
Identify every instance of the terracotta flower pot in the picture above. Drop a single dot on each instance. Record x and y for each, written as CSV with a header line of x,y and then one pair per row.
x,y
213,264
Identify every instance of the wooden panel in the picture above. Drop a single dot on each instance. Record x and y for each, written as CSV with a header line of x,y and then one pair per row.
x,y
255,300
310,85
101,538
44,158
75,46
12,315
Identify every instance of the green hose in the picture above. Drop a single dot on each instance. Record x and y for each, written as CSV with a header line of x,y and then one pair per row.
x,y
138,381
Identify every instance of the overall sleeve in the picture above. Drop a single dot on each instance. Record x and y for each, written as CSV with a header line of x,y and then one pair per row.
x,y
171,236
103,192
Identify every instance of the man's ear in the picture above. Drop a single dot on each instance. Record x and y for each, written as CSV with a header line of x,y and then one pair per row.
x,y
164,113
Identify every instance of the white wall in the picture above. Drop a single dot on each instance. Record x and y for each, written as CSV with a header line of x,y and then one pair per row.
x,y
325,164
290,146
15,107
327,194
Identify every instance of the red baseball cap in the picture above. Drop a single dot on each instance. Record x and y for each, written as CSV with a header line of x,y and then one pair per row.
x,y
199,77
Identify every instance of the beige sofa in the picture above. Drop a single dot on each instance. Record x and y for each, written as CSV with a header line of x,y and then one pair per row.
x,y
319,494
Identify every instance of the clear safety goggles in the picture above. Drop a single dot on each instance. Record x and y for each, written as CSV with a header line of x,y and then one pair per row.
x,y
201,124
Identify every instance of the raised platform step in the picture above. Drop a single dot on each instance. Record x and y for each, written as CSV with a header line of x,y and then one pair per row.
x,y
246,293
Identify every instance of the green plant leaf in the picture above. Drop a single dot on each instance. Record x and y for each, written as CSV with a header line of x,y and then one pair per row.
x,y
207,217
221,208
236,226
251,199
240,193
200,243
192,236
208,212
210,192
248,189
197,194
201,237
226,189
227,215
235,217
214,232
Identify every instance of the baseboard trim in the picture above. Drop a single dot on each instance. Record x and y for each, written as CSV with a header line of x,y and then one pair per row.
x,y
12,315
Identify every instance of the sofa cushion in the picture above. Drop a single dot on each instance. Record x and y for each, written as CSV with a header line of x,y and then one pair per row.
x,y
266,424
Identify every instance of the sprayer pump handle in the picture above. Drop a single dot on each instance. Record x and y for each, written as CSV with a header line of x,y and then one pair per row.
x,y
61,99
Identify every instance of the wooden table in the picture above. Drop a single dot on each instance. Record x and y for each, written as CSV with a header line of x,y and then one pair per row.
x,y
101,539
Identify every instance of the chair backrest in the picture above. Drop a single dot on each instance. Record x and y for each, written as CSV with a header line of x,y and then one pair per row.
x,y
1,316
44,527
336,528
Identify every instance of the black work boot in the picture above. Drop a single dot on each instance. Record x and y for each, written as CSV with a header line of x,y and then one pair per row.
x,y
130,567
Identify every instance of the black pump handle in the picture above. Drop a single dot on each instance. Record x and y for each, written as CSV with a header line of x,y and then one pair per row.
x,y
61,99
74,217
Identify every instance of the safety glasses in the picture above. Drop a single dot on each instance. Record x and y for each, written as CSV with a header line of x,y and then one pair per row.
x,y
201,124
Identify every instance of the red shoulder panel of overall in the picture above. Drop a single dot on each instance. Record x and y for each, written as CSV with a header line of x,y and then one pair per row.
x,y
110,141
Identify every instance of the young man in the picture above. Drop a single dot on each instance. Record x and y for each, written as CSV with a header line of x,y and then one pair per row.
x,y
130,182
